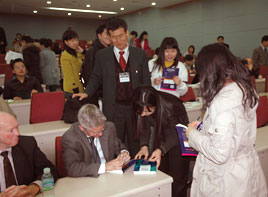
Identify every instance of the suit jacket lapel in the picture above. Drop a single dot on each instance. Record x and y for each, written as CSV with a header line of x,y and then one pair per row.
x,y
104,143
84,139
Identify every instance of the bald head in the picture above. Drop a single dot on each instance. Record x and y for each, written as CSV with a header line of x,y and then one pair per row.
x,y
9,131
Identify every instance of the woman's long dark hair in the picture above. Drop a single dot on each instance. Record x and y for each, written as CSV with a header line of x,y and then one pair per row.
x,y
68,35
215,65
141,36
167,43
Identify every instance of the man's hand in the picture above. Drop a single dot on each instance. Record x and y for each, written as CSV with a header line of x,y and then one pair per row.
x,y
123,156
81,95
33,91
156,156
17,98
115,164
21,191
143,152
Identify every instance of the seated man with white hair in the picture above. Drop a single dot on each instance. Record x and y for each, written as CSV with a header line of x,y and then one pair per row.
x,y
90,145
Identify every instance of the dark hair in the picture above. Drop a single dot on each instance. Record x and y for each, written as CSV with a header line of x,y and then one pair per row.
x,y
244,61
134,33
188,58
13,62
216,65
166,106
191,46
68,35
50,43
264,38
44,41
220,37
27,39
142,34
115,23
100,29
167,43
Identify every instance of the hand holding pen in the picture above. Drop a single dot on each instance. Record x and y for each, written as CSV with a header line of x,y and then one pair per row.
x,y
193,125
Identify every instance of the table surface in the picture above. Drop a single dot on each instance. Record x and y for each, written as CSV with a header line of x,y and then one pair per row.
x,y
110,184
262,138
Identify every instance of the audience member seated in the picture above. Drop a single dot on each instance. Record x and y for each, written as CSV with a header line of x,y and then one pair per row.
x,y
248,63
31,57
191,50
189,63
22,162
260,54
17,43
90,145
21,86
220,40
48,66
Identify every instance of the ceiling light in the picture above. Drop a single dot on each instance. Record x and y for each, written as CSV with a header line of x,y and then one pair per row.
x,y
114,0
35,11
100,16
153,3
88,5
80,10
122,8
48,2
69,14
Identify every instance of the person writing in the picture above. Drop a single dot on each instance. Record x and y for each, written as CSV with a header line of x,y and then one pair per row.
x,y
168,57
161,111
90,145
227,163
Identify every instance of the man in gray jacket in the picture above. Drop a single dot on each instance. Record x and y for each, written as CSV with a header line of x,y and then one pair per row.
x,y
260,54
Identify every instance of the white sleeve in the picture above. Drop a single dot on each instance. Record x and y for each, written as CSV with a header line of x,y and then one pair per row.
x,y
183,73
102,169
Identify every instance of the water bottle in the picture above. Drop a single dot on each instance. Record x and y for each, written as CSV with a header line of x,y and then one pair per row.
x,y
48,183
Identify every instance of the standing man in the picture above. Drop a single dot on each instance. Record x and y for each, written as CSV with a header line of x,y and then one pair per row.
x,y
119,69
260,54
102,41
132,37
21,161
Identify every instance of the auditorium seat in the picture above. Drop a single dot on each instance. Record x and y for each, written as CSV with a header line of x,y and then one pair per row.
x,y
264,70
262,111
2,59
59,163
266,84
5,69
189,96
46,107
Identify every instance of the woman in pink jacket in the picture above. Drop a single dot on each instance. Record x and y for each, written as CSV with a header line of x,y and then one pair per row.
x,y
227,164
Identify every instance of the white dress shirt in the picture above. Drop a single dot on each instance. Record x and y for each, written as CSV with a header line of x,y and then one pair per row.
x,y
125,55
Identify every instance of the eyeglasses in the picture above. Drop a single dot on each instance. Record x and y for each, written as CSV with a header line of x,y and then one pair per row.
x,y
96,131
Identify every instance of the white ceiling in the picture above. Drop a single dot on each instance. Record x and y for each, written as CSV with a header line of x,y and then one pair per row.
x,y
27,6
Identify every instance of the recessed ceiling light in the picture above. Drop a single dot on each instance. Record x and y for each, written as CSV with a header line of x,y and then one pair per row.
x,y
69,14
114,0
35,11
100,16
122,8
153,3
88,5
48,2
80,10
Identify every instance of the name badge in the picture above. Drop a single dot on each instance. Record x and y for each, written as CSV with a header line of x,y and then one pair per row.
x,y
124,77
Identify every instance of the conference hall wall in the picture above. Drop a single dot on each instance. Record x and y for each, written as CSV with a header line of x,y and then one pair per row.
x,y
48,27
241,22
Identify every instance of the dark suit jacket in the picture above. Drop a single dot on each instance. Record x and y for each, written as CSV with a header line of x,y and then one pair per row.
x,y
29,161
104,74
259,58
78,157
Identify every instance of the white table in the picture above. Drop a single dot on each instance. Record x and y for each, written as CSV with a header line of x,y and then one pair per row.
x,y
260,85
194,110
262,149
45,134
115,185
22,110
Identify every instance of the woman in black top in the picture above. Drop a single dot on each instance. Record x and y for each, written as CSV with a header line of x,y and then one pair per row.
x,y
162,111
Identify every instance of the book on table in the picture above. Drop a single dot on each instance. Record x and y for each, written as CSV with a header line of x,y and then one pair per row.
x,y
167,82
186,150
125,166
144,167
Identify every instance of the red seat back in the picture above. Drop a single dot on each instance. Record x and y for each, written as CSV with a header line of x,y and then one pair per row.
x,y
59,163
266,84
189,96
5,69
2,59
264,70
46,107
262,112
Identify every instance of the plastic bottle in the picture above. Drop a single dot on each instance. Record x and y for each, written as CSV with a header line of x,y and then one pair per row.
x,y
48,183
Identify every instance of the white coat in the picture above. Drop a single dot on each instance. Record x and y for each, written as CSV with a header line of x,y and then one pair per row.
x,y
227,164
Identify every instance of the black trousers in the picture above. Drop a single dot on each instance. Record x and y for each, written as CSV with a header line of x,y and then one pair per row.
x,y
122,119
177,167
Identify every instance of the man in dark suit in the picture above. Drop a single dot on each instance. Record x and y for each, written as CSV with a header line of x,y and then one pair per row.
x,y
119,69
90,145
260,54
21,161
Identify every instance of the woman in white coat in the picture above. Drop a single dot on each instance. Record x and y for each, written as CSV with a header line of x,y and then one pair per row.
x,y
227,163
168,57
